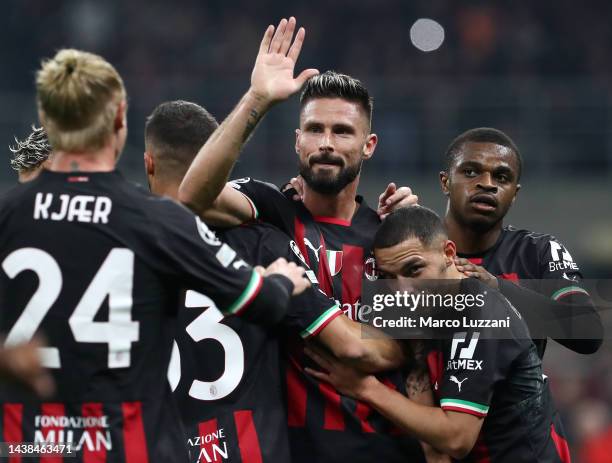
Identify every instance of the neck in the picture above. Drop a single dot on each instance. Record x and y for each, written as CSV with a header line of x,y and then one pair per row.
x,y
468,240
169,189
102,160
340,206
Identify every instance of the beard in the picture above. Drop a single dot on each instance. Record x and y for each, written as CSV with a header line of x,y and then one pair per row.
x,y
327,183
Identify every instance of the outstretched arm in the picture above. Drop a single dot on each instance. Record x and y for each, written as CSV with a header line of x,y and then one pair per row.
x,y
362,346
204,187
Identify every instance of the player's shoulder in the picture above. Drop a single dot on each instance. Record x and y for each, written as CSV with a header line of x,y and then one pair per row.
x,y
246,184
366,216
256,230
494,301
523,235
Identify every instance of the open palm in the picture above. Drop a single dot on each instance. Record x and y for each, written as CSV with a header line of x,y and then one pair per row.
x,y
272,76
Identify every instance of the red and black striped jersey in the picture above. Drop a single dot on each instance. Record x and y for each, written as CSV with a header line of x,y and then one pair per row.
x,y
495,373
325,426
97,265
538,262
227,377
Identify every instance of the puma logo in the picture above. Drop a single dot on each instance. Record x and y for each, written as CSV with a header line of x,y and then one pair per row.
x,y
315,250
457,382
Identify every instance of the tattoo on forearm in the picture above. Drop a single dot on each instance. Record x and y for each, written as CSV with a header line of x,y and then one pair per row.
x,y
250,125
417,383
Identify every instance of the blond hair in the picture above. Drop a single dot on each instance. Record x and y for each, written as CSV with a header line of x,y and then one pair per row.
x,y
78,95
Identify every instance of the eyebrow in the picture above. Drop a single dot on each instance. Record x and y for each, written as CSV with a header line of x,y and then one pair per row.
x,y
411,262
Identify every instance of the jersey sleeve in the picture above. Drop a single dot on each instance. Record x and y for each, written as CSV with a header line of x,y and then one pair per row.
x,y
193,254
267,202
476,359
559,273
472,367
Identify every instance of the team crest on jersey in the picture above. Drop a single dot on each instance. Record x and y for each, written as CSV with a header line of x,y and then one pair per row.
x,y
369,269
296,250
334,259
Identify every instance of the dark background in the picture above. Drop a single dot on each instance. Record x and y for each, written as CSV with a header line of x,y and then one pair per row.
x,y
541,71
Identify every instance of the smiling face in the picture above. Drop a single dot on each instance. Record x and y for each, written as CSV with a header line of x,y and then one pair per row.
x,y
332,142
481,184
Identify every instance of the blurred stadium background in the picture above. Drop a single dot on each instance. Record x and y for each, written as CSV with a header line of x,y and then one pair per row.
x,y
541,71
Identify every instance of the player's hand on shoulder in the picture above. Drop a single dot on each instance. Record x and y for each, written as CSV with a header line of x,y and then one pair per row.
x,y
472,270
297,183
272,78
394,198
291,270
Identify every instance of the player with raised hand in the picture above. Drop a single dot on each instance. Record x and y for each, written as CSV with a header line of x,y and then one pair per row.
x,y
235,393
332,227
97,264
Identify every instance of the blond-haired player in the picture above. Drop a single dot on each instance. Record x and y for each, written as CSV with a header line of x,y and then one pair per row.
x,y
98,265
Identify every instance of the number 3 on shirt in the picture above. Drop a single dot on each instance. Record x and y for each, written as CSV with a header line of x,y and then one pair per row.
x,y
208,326
114,279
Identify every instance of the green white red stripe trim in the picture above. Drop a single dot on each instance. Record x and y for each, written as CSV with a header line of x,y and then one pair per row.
x,y
464,406
247,296
567,291
321,322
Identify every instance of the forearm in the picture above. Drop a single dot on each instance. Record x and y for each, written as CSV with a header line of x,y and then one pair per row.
x,y
211,168
382,353
368,351
429,424
576,324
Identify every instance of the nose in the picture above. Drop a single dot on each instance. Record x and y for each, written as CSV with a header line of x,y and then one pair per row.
x,y
325,143
486,183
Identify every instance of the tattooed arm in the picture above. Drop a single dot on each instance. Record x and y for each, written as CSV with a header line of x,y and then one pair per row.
x,y
204,187
418,389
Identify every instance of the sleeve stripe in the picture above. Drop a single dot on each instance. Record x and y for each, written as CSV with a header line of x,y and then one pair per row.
x,y
254,211
567,291
247,296
315,327
464,406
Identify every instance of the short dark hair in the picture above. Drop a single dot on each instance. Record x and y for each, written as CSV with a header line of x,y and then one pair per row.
x,y
409,222
482,135
176,130
31,152
332,84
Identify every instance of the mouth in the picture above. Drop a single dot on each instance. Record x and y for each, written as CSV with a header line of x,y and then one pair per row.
x,y
326,161
484,202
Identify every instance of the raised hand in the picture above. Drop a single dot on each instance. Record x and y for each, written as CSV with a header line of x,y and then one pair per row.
x,y
272,78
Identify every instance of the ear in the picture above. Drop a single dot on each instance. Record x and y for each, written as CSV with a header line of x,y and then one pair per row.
x,y
518,187
149,163
444,178
120,120
298,133
369,146
450,252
